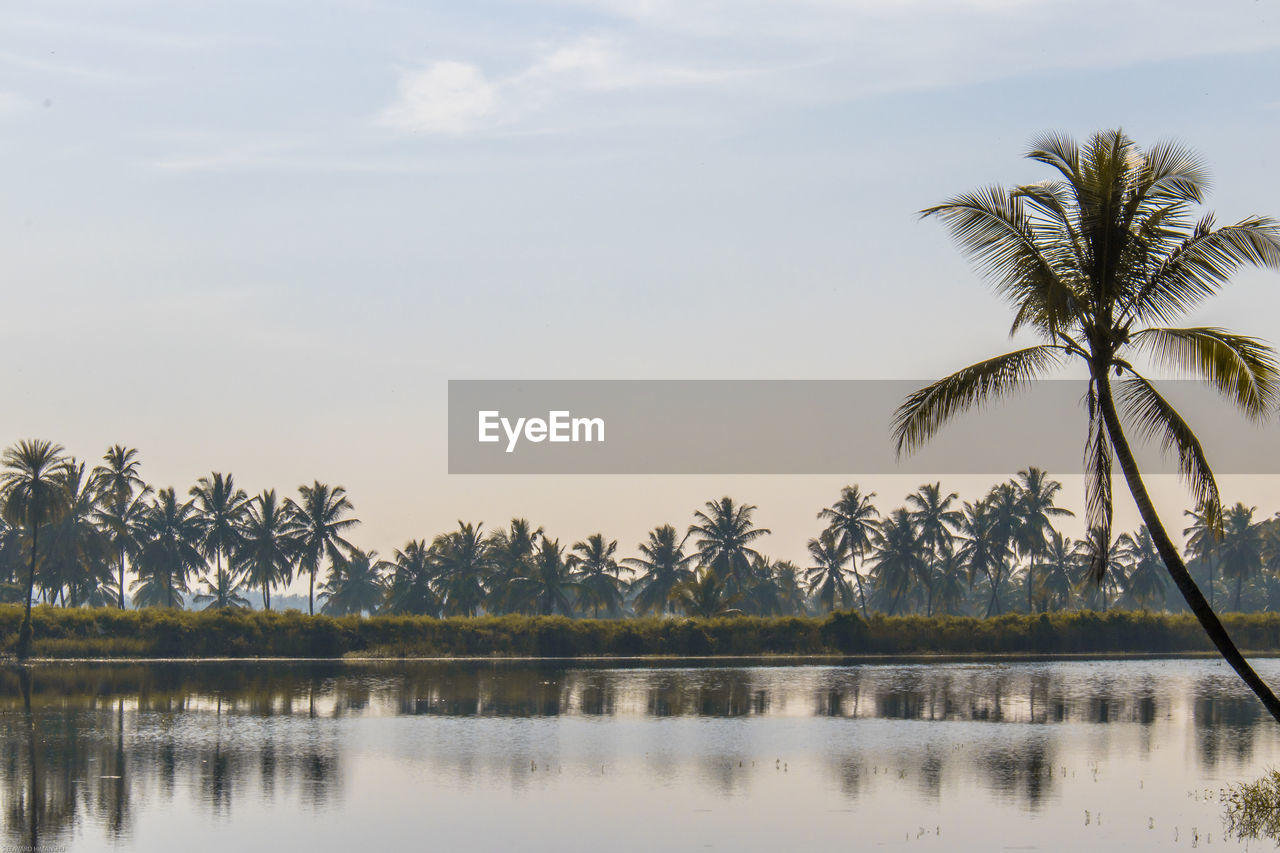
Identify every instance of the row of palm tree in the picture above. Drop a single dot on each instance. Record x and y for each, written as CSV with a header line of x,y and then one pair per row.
x,y
77,532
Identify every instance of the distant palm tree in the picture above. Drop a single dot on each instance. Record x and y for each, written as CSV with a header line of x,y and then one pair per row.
x,y
724,536
223,591
662,567
465,560
983,547
854,517
268,544
1087,262
935,520
1204,535
318,525
412,575
549,587
169,553
826,579
1146,582
77,561
705,595
355,584
221,507
596,572
1094,590
1059,564
1036,494
898,560
30,492
125,494
1241,548
512,552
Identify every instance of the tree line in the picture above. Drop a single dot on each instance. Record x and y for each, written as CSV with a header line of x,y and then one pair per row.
x,y
74,535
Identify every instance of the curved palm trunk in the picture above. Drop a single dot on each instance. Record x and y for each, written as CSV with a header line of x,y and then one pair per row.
x,y
1205,615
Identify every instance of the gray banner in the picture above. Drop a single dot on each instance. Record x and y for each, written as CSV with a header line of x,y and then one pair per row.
x,y
801,427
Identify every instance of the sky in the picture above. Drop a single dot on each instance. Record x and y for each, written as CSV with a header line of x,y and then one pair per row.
x,y
261,237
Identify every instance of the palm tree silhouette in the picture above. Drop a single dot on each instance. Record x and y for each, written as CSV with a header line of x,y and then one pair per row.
x,y
596,572
268,543
318,525
826,580
1036,493
31,493
725,533
125,494
663,566
169,550
1087,261
854,517
221,507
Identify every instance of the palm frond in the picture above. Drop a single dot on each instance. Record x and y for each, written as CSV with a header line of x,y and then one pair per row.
x,y
1242,369
1203,261
1154,418
924,412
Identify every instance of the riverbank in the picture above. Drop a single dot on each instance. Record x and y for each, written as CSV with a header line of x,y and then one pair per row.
x,y
108,633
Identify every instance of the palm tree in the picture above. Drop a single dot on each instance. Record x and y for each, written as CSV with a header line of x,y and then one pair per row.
x,y
30,493
663,566
1036,493
125,492
983,547
549,586
221,507
465,560
854,517
268,542
1087,261
705,595
1145,583
597,574
898,558
934,519
355,584
77,561
826,580
725,533
1203,537
1098,548
170,534
412,575
318,525
1058,566
1241,547
512,551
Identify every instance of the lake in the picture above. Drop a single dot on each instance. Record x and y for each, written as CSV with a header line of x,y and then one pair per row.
x,y
596,756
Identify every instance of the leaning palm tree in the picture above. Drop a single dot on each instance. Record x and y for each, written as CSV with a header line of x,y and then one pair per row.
x,y
854,518
663,565
318,525
30,493
1087,261
125,492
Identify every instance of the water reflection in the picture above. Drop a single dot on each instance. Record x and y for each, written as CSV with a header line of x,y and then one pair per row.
x,y
88,748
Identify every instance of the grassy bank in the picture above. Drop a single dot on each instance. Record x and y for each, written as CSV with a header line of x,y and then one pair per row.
x,y
110,633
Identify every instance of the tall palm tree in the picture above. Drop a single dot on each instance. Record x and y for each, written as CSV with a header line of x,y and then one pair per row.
x,y
983,547
934,519
854,517
170,534
1087,261
826,579
318,525
221,507
125,493
30,492
724,536
268,543
596,572
663,565
1036,494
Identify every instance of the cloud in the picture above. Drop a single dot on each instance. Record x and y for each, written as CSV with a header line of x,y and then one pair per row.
x,y
450,97
445,97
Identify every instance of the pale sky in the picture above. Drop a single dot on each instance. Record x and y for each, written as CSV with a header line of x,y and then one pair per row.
x,y
261,237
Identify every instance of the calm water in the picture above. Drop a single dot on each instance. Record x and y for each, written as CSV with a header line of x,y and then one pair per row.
x,y
1099,755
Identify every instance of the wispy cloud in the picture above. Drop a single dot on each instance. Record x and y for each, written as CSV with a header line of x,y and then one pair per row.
x,y
451,97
